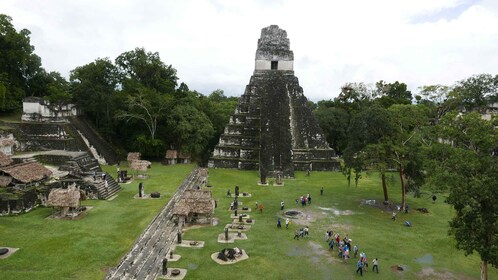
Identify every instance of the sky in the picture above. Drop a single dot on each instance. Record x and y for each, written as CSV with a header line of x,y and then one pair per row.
x,y
212,43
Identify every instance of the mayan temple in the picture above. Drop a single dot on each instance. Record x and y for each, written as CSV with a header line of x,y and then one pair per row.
x,y
272,129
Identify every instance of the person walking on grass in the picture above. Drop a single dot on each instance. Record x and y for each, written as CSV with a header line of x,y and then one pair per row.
x,y
375,266
281,205
261,208
359,267
279,225
321,191
287,223
355,250
393,217
296,234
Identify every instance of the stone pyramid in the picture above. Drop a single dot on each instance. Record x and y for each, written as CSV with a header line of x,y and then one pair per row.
x,y
272,129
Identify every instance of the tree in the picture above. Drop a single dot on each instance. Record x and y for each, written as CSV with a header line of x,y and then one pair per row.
x,y
476,92
407,121
334,122
370,126
148,106
58,93
94,88
392,93
470,171
18,65
139,67
192,128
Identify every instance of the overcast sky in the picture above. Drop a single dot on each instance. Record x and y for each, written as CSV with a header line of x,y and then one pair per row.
x,y
212,44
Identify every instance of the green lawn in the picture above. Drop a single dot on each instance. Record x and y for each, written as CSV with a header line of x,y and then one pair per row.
x,y
273,254
85,249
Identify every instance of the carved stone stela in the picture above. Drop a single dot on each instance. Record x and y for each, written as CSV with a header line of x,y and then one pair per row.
x,y
273,129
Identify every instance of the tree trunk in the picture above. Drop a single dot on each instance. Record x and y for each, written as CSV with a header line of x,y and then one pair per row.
x,y
384,187
349,177
403,187
484,270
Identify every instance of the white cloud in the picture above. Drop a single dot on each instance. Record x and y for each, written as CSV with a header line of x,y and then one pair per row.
x,y
212,43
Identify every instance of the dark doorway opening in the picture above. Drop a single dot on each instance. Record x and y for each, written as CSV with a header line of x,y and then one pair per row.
x,y
274,65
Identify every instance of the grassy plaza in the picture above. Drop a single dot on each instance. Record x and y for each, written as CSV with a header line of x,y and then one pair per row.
x,y
87,248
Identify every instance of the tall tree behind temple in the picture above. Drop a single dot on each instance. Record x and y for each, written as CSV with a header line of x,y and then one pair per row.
x,y
19,66
94,87
387,94
476,92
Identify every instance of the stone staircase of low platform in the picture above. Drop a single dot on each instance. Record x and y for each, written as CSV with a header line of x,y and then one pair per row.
x,y
112,189
144,260
102,146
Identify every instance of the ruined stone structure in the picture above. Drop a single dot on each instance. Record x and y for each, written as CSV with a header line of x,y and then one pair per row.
x,y
272,128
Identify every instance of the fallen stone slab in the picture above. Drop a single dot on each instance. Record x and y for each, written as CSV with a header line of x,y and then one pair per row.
x,y
191,244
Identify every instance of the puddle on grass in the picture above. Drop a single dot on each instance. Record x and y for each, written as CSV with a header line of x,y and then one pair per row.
x,y
192,266
297,251
337,212
425,259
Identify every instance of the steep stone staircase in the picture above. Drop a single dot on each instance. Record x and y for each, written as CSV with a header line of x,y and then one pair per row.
x,y
103,147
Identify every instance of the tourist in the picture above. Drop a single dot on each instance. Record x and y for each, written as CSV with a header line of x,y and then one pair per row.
x,y
331,244
261,208
281,205
287,223
301,232
279,225
327,237
330,234
355,250
346,254
363,257
321,191
306,231
359,267
375,266
407,208
393,217
297,201
341,251
296,234
256,205
228,193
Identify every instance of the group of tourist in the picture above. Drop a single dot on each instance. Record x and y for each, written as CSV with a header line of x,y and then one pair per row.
x,y
303,232
304,200
344,248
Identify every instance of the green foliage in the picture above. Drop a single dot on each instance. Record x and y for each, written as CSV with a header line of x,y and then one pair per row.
x,y
18,65
94,88
466,164
150,148
192,128
392,93
139,67
476,92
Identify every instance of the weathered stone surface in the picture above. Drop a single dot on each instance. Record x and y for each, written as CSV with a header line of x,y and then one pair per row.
x,y
273,129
